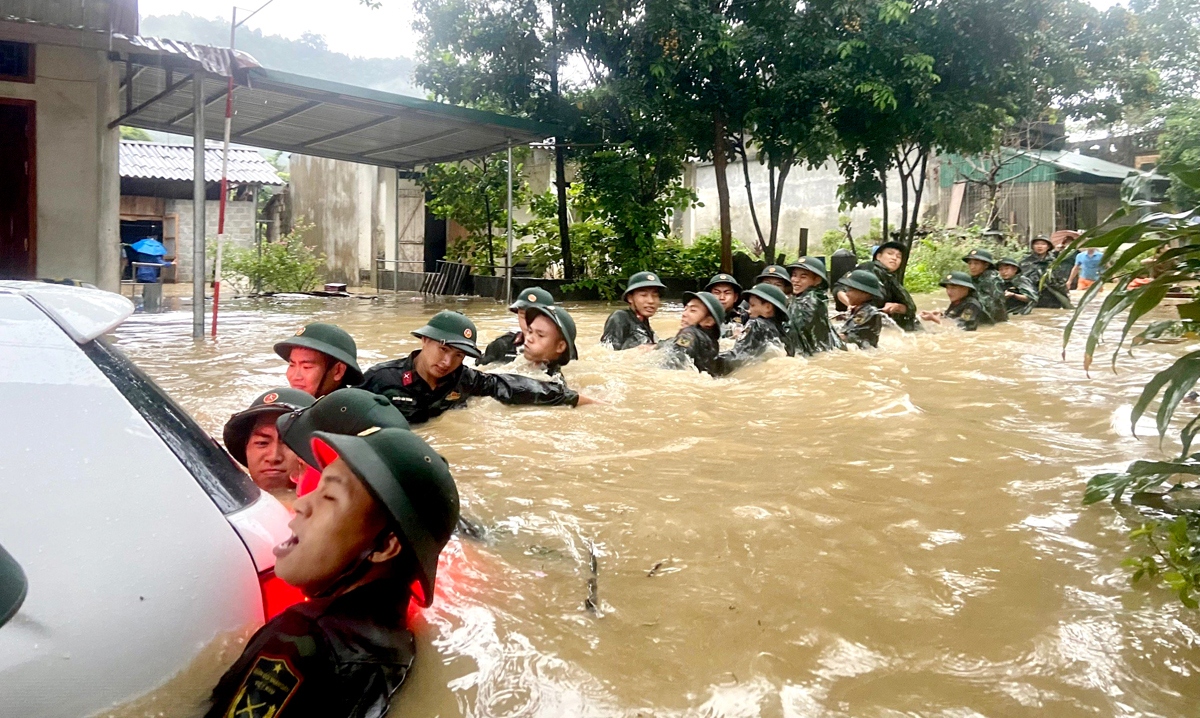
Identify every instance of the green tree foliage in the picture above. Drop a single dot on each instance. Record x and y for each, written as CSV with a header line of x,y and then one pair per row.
x,y
135,133
1179,143
1144,260
287,265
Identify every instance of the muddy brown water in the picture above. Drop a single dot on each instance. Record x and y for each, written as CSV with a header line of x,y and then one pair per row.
x,y
887,533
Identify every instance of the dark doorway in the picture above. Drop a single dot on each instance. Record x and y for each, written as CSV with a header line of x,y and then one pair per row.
x,y
435,239
18,190
132,231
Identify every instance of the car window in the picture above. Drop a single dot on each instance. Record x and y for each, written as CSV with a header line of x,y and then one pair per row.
x,y
228,486
13,586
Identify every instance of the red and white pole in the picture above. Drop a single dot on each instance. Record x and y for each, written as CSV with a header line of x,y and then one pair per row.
x,y
221,210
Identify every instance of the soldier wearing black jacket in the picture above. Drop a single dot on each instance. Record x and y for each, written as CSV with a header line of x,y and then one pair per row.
x,y
630,327
896,302
507,347
432,379
865,321
699,338
809,309
767,328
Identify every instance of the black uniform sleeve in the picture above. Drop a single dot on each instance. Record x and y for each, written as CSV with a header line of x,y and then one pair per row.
x,y
863,327
502,349
968,318
758,336
515,389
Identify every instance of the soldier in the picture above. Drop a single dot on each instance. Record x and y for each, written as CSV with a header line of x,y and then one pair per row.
x,y
250,437
864,322
505,348
728,292
321,358
767,327
776,276
432,379
550,341
964,307
897,302
345,411
630,327
1020,296
1052,293
989,287
809,309
375,525
699,337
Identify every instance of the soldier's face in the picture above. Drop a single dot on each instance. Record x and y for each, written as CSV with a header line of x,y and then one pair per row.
x,y
1008,271
889,258
695,313
759,308
956,292
780,282
543,343
521,320
1040,248
856,297
803,280
307,372
976,267
334,525
726,294
270,462
439,360
645,301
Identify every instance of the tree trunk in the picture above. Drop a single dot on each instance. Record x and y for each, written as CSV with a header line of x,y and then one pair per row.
x,y
885,204
560,162
741,149
719,164
776,206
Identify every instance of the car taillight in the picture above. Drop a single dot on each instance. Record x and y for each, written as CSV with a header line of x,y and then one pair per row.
x,y
277,594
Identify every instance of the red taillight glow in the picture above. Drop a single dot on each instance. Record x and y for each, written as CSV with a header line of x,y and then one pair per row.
x,y
277,594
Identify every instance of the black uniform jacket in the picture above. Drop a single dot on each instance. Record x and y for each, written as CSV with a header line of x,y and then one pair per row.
x,y
862,327
502,349
969,313
1053,294
894,291
399,381
339,657
809,318
1020,284
624,330
698,344
758,336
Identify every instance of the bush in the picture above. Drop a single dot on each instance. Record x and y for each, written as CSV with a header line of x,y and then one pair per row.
x,y
288,265
940,251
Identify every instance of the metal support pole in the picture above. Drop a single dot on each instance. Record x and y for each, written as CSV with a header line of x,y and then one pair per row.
x,y
396,255
198,198
509,250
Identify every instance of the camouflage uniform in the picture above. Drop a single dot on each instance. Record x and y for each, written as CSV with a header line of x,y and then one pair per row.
x,y
894,291
864,324
968,311
989,286
1019,284
760,334
1053,294
809,315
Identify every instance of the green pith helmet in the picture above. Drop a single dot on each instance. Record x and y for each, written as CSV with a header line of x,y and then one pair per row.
x,y
452,329
722,279
275,402
532,297
641,280
410,480
562,320
813,265
345,411
961,279
771,294
1042,238
981,254
891,244
710,302
1010,262
329,339
864,281
774,271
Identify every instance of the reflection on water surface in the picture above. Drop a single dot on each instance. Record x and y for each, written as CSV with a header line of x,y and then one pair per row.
x,y
881,533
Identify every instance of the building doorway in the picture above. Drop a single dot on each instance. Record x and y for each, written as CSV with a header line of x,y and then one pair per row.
x,y
18,190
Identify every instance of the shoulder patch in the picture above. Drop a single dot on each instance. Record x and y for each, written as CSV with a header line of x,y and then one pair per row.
x,y
968,313
267,688
860,318
453,396
683,340
407,379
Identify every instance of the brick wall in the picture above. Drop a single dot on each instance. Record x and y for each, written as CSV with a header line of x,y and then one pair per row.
x,y
239,229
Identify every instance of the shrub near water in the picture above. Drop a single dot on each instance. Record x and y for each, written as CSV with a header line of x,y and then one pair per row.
x,y
940,252
287,265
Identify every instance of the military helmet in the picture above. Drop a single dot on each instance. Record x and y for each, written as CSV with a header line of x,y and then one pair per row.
x,y
722,278
1010,262
774,271
771,294
891,244
981,254
642,280
453,329
961,279
410,480
710,302
864,281
329,339
813,265
345,411
532,297
562,321
275,402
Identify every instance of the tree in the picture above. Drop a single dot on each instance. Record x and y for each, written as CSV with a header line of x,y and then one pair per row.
x,y
1179,144
135,133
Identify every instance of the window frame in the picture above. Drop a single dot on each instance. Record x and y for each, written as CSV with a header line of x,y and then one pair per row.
x,y
30,64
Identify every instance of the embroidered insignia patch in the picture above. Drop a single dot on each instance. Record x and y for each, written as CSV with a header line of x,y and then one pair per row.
x,y
467,332
683,341
267,688
453,396
407,379
271,398
860,319
368,432
968,313
651,278
301,331
531,297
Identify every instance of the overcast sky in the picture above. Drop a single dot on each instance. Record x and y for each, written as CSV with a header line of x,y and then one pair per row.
x,y
347,25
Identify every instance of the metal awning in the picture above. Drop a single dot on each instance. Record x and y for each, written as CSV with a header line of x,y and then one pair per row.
x,y
283,111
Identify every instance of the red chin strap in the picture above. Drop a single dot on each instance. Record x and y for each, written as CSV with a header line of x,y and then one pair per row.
x,y
325,455
308,482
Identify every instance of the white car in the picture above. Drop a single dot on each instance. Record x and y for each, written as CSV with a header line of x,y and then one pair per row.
x,y
129,539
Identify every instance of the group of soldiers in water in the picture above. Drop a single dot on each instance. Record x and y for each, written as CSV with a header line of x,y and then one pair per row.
x,y
374,504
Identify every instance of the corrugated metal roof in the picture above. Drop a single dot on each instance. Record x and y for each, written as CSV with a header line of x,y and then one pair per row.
x,y
1082,164
156,160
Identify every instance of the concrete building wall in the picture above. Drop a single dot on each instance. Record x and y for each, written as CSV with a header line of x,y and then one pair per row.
x,y
239,229
77,184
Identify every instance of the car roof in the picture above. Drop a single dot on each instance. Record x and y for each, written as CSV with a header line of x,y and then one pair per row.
x,y
84,313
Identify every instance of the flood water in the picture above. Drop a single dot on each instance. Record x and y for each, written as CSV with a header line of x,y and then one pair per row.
x,y
887,533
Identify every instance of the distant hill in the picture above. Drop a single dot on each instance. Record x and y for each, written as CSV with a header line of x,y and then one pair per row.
x,y
306,56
